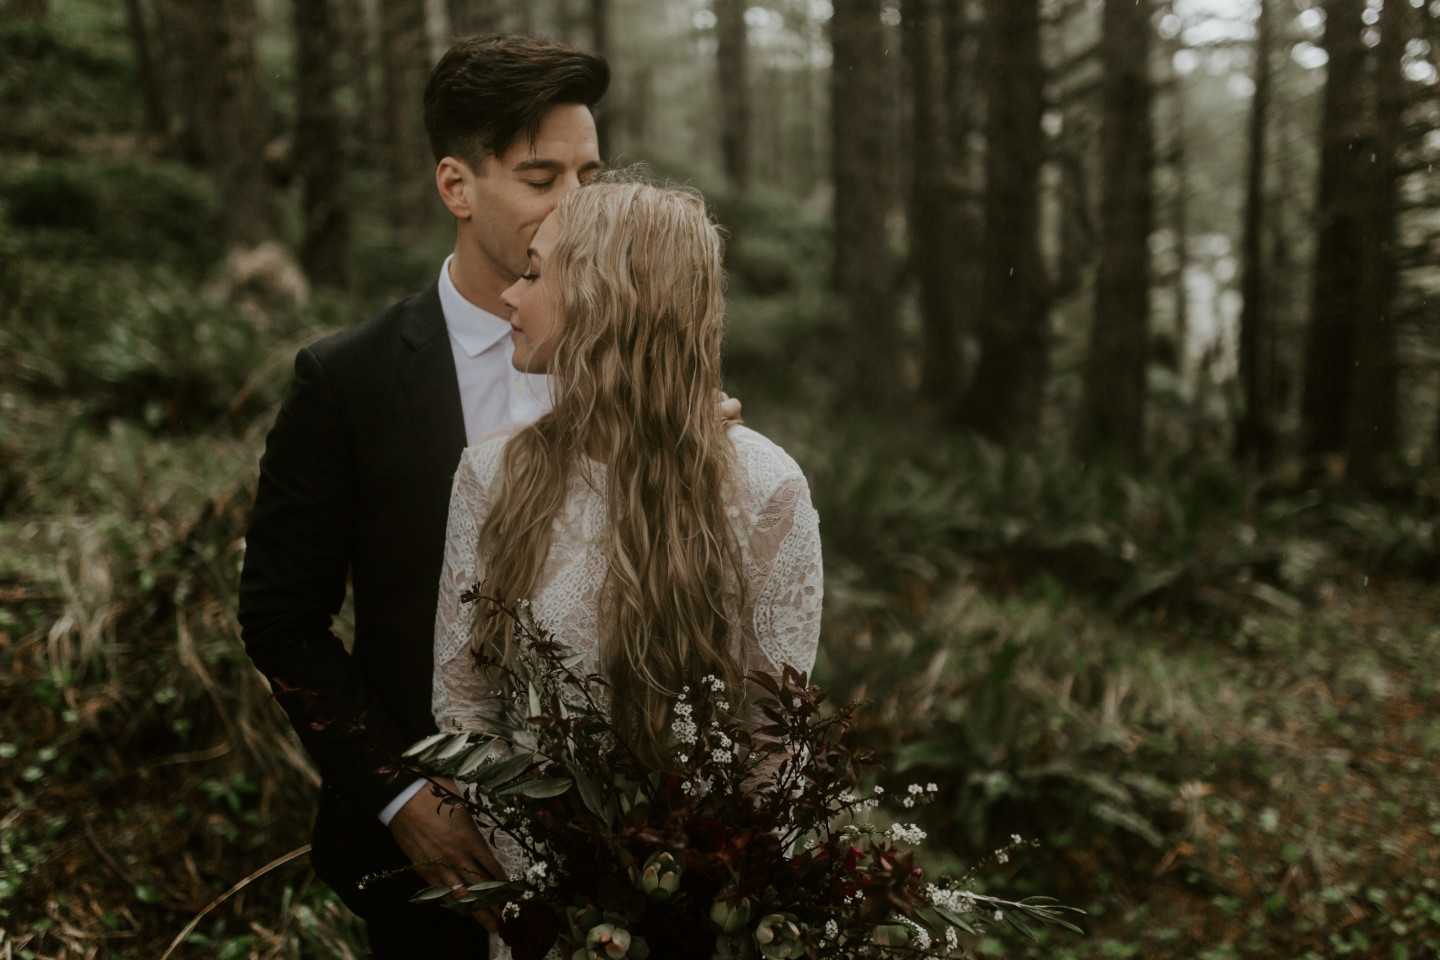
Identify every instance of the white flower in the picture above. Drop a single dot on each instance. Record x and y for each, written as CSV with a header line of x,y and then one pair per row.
x,y
510,911
906,833
999,916
832,929
879,790
1001,856
914,789
1015,838
908,802
931,788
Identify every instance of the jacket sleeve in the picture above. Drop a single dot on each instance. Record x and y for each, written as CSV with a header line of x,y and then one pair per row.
x,y
297,560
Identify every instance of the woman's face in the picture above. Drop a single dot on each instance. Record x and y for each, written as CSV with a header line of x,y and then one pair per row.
x,y
534,324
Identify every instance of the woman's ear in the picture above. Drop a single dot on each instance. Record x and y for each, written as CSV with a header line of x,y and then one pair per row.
x,y
453,178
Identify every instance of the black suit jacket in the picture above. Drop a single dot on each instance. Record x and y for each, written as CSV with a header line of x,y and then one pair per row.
x,y
355,480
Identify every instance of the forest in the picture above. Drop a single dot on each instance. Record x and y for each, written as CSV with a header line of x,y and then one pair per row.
x,y
1107,333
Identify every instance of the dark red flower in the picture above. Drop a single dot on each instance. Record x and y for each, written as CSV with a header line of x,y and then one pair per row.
x,y
530,935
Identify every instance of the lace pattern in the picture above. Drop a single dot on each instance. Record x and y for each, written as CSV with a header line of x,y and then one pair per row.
x,y
775,525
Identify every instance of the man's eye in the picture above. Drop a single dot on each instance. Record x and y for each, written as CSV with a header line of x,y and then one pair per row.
x,y
532,277
540,184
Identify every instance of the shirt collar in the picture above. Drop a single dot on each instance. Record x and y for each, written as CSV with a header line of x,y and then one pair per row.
x,y
474,329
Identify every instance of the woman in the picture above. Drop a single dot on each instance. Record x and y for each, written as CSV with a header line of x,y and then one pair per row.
x,y
644,530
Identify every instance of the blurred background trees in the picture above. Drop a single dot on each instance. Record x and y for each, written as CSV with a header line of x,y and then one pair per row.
x,y
1032,207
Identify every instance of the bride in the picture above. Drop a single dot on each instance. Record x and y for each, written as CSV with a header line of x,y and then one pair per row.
x,y
664,543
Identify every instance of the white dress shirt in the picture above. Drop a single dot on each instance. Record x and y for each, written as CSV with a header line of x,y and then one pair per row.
x,y
493,394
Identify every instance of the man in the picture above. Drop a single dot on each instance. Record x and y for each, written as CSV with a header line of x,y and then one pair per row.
x,y
356,480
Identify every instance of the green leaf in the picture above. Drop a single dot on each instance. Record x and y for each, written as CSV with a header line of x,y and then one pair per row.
x,y
420,746
1015,922
589,795
541,789
500,772
435,893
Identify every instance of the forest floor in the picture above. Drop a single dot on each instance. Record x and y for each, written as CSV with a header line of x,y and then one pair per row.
x,y
144,775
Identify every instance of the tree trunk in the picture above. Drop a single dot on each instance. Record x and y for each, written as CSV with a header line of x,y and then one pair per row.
x,y
27,9
151,90
319,147
407,154
600,46
1004,397
1112,409
1335,294
732,64
863,269
1370,437
471,17
1255,433
227,113
360,53
932,252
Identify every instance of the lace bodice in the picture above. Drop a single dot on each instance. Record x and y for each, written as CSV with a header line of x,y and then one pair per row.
x,y
775,525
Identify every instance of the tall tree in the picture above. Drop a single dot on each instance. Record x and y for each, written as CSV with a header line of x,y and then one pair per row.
x,y
600,45
319,147
407,64
27,9
864,272
932,254
151,89
1255,434
1340,211
469,17
1371,427
732,60
1112,409
1004,397
226,111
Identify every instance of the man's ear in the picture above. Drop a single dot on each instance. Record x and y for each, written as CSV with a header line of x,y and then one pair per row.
x,y
453,178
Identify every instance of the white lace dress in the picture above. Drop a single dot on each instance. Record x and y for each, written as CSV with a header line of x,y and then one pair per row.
x,y
775,525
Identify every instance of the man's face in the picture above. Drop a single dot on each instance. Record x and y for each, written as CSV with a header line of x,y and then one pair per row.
x,y
512,194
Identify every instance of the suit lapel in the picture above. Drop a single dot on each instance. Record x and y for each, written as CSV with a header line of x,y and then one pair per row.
x,y
427,376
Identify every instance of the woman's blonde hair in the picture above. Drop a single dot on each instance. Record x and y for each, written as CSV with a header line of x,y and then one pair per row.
x,y
635,279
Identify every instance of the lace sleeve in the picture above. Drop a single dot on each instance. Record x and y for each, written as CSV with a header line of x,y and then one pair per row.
x,y
459,695
786,579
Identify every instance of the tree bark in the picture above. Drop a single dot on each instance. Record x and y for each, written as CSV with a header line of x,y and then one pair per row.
x,y
1004,397
319,147
864,272
471,17
1112,408
932,251
1255,433
151,90
227,114
27,9
1371,432
600,46
732,57
407,154
1335,292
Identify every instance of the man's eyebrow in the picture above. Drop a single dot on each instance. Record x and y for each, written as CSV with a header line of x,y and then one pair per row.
x,y
539,163
536,163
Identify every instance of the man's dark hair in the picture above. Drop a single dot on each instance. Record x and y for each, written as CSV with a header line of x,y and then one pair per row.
x,y
488,90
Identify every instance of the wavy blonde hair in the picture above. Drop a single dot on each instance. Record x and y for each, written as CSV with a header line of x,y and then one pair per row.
x,y
636,281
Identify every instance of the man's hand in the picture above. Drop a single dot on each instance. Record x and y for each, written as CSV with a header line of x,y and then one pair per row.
x,y
729,408
448,837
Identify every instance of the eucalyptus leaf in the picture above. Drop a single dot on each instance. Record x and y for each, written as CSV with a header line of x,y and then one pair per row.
x,y
420,746
492,775
435,893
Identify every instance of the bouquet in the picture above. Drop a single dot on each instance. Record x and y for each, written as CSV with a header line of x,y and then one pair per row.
x,y
756,844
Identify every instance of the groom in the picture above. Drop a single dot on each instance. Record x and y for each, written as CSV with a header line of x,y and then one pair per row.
x,y
355,482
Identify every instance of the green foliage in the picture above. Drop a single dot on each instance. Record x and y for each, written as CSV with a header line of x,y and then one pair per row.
x,y
150,212
58,85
